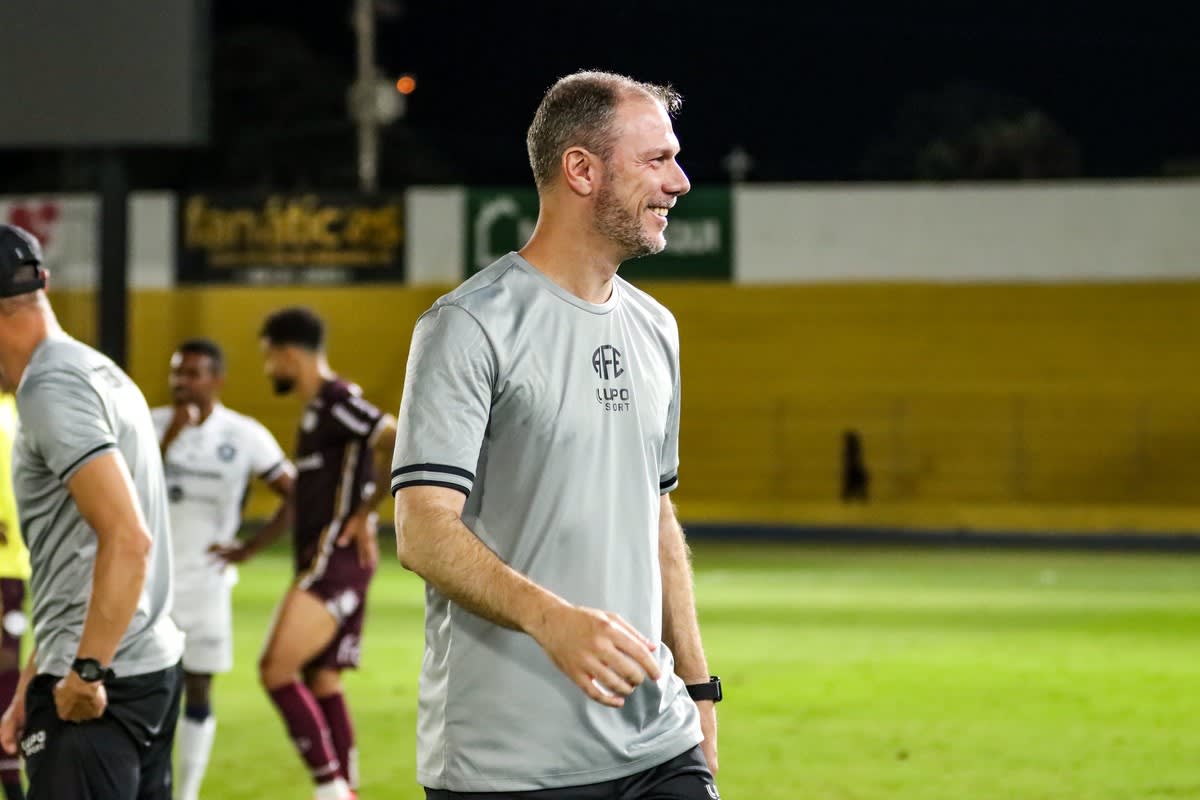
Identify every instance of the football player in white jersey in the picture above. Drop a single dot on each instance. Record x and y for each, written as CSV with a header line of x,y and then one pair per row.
x,y
210,454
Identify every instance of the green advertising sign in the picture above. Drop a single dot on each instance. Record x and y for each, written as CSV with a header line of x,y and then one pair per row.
x,y
699,235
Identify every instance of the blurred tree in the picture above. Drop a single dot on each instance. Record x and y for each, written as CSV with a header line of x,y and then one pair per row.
x,y
279,114
968,132
280,122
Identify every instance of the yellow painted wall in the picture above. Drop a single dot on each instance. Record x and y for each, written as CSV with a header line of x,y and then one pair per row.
x,y
368,336
965,394
1079,394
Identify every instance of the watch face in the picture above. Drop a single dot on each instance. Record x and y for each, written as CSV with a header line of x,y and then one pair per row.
x,y
89,670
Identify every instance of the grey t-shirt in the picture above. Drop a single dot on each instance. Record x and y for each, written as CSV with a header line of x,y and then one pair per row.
x,y
75,405
559,419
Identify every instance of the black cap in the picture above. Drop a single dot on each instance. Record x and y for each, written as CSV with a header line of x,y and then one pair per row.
x,y
20,248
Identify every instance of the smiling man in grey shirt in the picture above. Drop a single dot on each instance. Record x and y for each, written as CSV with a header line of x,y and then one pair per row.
x,y
95,710
536,450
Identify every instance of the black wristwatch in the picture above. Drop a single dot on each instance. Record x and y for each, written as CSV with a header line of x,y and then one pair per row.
x,y
706,691
90,670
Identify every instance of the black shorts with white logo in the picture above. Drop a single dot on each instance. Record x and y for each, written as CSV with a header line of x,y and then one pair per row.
x,y
684,777
123,755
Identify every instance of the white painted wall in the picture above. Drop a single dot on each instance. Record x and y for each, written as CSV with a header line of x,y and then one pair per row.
x,y
782,234
67,224
1046,232
152,221
434,220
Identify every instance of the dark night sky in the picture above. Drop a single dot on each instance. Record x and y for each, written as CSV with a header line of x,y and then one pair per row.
x,y
806,91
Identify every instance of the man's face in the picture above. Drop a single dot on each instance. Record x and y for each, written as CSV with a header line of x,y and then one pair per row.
x,y
282,366
193,379
641,180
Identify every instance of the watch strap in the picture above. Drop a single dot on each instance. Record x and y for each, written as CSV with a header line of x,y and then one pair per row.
x,y
706,691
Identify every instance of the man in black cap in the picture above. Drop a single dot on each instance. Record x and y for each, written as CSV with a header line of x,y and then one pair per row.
x,y
95,709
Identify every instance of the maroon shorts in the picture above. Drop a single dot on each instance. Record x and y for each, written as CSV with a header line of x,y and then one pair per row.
x,y
342,586
12,613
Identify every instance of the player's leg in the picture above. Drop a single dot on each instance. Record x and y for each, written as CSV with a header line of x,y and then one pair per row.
x,y
197,730
204,615
324,673
302,629
12,599
326,686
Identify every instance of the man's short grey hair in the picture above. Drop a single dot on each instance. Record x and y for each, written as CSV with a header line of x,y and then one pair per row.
x,y
579,111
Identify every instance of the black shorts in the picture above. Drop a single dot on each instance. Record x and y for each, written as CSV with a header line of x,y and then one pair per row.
x,y
124,755
684,777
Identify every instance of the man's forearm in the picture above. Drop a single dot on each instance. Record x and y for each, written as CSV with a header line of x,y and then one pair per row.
x,y
381,453
169,436
681,630
436,545
117,580
272,529
383,463
27,674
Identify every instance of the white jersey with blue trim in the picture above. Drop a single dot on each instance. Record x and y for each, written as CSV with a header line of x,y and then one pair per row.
x,y
208,468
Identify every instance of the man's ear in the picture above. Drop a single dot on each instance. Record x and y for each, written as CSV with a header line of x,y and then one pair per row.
x,y
581,170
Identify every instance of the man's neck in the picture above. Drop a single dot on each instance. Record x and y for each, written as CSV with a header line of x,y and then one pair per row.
x,y
206,408
309,384
30,327
581,264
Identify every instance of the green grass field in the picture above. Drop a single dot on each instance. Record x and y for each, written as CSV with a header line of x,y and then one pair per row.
x,y
851,674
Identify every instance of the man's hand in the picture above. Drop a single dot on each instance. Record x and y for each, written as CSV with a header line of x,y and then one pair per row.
x,y
185,414
360,528
79,701
12,725
708,725
231,553
601,653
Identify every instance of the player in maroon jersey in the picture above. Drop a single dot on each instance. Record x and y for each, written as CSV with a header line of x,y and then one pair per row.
x,y
343,454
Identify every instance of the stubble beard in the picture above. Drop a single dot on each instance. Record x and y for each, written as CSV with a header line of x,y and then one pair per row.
x,y
615,223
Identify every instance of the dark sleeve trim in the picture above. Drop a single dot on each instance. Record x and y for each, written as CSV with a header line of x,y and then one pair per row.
x,y
268,473
420,482
667,482
106,446
449,470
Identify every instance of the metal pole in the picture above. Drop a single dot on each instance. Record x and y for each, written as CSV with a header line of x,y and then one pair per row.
x,y
368,127
112,297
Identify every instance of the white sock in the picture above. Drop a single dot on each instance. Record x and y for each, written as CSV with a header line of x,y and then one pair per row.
x,y
352,769
336,789
195,746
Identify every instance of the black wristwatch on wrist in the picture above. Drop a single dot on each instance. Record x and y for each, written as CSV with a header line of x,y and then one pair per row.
x,y
89,669
706,691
